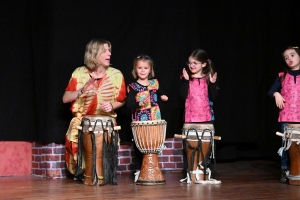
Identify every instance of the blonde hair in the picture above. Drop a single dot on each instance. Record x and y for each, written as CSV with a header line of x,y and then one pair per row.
x,y
94,48
145,58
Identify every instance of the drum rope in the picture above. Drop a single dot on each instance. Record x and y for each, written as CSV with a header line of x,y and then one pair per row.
x,y
188,178
206,157
199,149
143,133
104,152
110,154
79,170
92,134
286,142
114,153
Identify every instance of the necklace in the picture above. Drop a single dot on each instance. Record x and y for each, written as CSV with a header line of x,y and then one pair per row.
x,y
97,79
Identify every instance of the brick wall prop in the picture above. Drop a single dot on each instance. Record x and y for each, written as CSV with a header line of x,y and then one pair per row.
x,y
169,160
48,160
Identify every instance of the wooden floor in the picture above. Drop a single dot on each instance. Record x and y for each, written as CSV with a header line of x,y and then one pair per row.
x,y
240,180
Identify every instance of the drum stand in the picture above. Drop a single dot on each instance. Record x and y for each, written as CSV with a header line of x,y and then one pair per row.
x,y
150,171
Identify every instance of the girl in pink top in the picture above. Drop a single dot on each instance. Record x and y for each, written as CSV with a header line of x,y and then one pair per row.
x,y
286,92
198,87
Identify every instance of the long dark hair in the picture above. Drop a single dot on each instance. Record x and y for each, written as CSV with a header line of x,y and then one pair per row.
x,y
286,68
201,56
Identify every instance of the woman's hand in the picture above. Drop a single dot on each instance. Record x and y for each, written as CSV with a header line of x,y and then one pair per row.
x,y
279,100
213,78
88,85
185,74
164,98
106,106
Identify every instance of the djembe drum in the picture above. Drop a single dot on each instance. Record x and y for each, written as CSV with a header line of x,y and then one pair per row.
x,y
198,144
293,133
98,146
149,137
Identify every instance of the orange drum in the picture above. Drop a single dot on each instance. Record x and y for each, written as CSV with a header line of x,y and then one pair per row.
x,y
98,148
293,132
198,145
149,137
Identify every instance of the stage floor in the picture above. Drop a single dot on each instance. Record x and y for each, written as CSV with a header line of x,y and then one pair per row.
x,y
240,180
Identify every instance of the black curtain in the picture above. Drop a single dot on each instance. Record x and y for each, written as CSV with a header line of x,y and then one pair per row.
x,y
42,42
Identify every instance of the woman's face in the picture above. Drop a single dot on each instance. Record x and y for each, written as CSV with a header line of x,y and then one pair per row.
x,y
103,58
292,59
143,69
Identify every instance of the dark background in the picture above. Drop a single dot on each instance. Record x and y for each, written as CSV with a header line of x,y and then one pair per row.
x,y
42,42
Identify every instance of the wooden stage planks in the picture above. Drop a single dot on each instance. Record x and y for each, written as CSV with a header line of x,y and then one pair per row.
x,y
240,180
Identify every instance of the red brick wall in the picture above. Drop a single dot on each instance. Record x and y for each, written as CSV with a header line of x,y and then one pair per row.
x,y
48,160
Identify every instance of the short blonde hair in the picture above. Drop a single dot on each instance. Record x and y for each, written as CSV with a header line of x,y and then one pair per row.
x,y
94,48
145,58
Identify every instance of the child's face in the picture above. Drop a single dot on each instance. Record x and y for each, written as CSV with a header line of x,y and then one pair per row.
x,y
143,69
195,66
292,59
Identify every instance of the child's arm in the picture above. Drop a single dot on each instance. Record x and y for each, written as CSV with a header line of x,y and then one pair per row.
x,y
162,95
274,92
275,87
131,101
279,100
183,87
213,91
213,87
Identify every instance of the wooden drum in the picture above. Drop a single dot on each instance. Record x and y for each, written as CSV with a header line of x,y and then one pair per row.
x,y
198,145
293,133
149,137
98,149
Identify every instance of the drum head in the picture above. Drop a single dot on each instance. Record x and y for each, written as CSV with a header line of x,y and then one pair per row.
x,y
136,123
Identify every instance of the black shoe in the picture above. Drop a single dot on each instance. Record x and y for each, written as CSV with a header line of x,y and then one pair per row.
x,y
79,176
283,177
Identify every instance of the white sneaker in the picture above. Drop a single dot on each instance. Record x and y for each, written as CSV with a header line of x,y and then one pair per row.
x,y
137,173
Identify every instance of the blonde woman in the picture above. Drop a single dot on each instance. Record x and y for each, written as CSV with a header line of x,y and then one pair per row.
x,y
94,89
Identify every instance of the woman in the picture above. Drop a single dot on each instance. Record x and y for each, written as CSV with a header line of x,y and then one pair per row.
x,y
94,89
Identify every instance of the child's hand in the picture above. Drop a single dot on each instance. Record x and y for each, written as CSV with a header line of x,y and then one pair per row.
x,y
213,78
279,100
185,74
164,98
